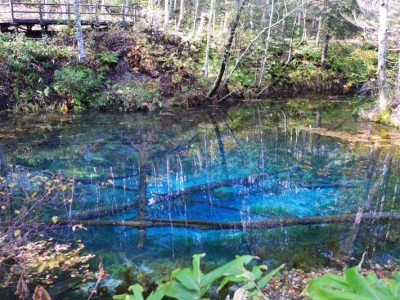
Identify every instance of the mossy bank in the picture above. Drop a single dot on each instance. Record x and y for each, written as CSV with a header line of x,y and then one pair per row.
x,y
130,70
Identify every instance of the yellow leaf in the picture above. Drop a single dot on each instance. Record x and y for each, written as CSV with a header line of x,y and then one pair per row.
x,y
17,233
42,267
12,184
54,219
63,187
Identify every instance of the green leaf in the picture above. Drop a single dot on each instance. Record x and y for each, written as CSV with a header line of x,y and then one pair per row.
x,y
243,277
234,267
178,291
358,283
124,297
329,294
187,279
137,291
264,281
196,265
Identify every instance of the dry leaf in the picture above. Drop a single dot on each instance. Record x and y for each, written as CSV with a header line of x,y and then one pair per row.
x,y
22,289
41,294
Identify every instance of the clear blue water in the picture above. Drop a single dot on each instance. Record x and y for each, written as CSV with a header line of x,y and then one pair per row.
x,y
245,163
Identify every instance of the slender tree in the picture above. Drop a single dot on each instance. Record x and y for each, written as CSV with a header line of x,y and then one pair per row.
x,y
79,34
209,32
181,14
166,13
382,54
227,48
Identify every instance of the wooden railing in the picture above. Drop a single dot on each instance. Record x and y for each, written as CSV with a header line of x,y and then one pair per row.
x,y
46,13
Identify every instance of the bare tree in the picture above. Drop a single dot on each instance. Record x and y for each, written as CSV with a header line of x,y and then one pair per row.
x,y
209,29
79,34
382,54
181,13
166,13
227,48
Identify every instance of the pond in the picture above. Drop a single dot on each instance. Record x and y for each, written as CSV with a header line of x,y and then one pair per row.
x,y
203,178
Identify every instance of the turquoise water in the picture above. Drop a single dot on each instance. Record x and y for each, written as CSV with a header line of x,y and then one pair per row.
x,y
257,161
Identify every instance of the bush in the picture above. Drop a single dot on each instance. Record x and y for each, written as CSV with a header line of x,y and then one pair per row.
x,y
78,85
130,96
108,58
28,65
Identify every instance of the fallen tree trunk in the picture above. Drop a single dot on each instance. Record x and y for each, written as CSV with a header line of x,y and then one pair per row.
x,y
261,224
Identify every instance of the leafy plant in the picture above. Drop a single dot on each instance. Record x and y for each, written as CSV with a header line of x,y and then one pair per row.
x,y
79,86
108,58
193,284
353,285
130,96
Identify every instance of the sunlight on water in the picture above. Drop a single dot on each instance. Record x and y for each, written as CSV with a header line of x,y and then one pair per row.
x,y
196,170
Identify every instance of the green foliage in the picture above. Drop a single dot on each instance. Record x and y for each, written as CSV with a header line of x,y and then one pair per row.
x,y
25,64
352,285
78,85
130,96
108,58
193,284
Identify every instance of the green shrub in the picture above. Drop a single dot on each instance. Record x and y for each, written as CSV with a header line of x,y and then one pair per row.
x,y
130,96
30,64
79,86
108,58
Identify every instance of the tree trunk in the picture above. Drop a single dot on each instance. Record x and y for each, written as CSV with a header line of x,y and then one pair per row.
x,y
304,34
325,48
79,34
201,25
166,13
196,10
209,29
251,22
260,224
142,196
318,31
382,54
267,41
291,41
227,49
181,12
225,25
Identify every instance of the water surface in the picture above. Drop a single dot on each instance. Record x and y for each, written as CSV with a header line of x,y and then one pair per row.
x,y
256,161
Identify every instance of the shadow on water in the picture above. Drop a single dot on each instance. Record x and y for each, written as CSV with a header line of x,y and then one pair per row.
x,y
174,173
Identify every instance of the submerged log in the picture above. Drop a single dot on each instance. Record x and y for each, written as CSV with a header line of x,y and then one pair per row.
x,y
104,211
260,224
247,180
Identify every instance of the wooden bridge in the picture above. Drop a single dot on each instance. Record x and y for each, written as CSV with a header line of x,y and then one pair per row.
x,y
15,15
